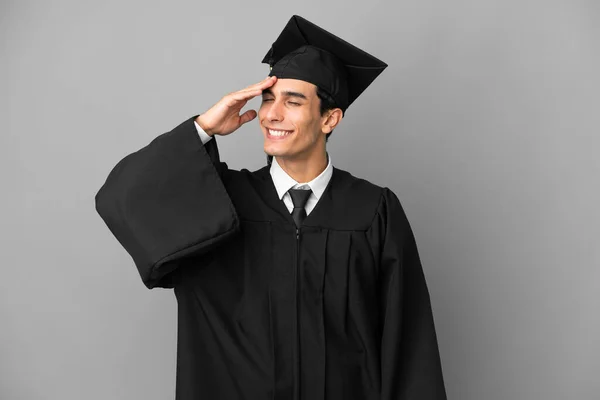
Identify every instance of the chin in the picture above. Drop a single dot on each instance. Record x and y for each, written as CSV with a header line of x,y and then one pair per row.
x,y
269,150
274,148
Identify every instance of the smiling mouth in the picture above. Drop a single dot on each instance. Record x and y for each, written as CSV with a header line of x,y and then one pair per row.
x,y
278,133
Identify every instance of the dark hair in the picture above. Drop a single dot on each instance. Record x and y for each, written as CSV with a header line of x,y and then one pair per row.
x,y
327,103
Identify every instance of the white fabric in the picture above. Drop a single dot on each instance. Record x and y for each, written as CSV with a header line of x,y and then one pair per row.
x,y
204,137
283,182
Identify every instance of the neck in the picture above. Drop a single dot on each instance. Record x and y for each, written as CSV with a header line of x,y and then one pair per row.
x,y
304,170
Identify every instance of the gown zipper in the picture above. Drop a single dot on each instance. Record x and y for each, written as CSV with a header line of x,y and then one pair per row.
x,y
297,321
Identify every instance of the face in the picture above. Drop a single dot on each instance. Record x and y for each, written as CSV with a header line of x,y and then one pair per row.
x,y
291,121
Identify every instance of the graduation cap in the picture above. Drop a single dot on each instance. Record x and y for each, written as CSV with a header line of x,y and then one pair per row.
x,y
307,52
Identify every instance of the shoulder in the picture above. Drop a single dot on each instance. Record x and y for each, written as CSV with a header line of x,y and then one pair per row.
x,y
374,201
352,182
366,188
360,197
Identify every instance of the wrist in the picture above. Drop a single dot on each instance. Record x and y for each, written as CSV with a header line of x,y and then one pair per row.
x,y
200,121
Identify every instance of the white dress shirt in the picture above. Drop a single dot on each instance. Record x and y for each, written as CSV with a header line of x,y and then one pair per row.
x,y
283,182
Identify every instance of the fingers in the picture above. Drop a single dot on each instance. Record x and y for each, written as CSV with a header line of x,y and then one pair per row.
x,y
246,95
253,90
262,85
268,81
247,116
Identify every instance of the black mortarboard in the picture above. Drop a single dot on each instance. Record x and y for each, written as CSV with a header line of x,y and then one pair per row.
x,y
307,52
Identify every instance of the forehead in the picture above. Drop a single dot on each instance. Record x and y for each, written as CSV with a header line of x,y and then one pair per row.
x,y
294,85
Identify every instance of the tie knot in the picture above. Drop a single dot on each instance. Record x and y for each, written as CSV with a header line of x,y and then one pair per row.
x,y
299,197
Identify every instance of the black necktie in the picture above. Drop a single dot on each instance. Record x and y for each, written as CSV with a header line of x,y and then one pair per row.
x,y
299,197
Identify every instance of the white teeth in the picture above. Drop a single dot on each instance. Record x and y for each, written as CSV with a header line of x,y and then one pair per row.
x,y
278,133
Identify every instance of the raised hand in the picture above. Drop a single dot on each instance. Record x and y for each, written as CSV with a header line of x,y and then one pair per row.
x,y
224,117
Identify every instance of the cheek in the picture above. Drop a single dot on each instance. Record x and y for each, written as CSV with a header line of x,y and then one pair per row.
x,y
304,120
262,111
310,126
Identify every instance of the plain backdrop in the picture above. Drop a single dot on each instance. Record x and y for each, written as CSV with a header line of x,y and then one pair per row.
x,y
485,124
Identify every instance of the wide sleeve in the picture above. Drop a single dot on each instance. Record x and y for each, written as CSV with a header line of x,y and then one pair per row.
x,y
410,360
167,201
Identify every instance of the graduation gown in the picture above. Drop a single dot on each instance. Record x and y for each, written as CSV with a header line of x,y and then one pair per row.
x,y
335,309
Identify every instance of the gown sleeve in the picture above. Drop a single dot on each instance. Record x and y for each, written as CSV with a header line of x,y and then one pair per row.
x,y
410,360
167,201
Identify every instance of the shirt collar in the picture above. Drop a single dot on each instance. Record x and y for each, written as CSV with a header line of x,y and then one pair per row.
x,y
283,182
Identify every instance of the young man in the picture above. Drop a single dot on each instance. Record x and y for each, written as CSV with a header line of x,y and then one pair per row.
x,y
295,281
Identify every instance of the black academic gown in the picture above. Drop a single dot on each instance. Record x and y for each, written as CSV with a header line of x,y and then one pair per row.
x,y
337,309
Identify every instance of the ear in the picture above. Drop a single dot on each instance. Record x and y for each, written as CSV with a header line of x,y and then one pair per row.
x,y
331,119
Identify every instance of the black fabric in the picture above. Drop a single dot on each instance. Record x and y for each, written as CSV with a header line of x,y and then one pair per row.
x,y
339,310
299,198
308,52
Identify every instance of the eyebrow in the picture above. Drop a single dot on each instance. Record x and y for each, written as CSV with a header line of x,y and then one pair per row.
x,y
287,93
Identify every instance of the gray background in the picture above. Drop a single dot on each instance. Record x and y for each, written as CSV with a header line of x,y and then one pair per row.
x,y
485,124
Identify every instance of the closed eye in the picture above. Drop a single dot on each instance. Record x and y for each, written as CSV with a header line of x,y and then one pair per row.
x,y
290,102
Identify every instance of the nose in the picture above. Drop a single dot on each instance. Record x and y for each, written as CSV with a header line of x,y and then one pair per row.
x,y
274,112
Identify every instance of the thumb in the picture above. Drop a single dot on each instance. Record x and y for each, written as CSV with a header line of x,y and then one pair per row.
x,y
247,116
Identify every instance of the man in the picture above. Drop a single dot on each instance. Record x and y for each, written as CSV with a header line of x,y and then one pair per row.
x,y
295,281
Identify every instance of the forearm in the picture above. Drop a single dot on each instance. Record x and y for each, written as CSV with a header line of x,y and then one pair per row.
x,y
167,201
